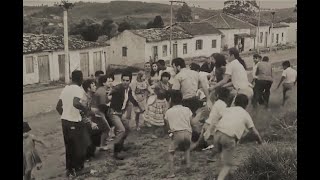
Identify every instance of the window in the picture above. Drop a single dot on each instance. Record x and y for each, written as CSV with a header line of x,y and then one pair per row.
x,y
29,65
164,50
198,44
124,51
282,37
277,39
214,43
155,52
272,37
185,48
97,63
261,37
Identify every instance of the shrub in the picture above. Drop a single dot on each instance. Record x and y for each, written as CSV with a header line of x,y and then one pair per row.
x,y
269,161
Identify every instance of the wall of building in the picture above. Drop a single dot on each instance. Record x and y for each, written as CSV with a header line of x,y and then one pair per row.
x,y
135,49
292,32
279,31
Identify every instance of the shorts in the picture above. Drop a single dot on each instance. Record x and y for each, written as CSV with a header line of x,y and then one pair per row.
x,y
181,140
226,146
287,86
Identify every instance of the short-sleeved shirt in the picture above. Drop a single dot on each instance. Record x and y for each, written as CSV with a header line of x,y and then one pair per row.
x,y
188,82
70,113
216,112
179,118
264,71
290,75
234,121
238,75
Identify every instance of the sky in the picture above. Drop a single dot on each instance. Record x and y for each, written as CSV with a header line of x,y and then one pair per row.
x,y
213,4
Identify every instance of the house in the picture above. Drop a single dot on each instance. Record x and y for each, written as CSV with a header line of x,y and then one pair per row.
x,y
142,45
43,57
234,31
292,32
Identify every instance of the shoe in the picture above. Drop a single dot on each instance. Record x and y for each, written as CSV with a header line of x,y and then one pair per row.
x,y
104,148
71,173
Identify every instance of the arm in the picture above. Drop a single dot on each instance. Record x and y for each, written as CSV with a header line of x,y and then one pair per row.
x,y
77,104
224,81
133,101
59,107
36,139
256,133
282,79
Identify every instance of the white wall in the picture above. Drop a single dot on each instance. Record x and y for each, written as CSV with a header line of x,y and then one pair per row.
x,y
292,32
206,50
229,36
279,31
135,51
263,29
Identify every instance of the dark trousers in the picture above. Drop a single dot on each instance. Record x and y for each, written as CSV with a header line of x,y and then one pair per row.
x,y
261,92
121,124
193,104
76,143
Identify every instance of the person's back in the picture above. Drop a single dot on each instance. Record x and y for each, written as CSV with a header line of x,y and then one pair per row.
x,y
264,71
234,121
179,118
189,82
67,95
290,75
238,74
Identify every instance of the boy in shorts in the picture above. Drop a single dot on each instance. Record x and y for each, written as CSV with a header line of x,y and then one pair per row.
x,y
231,127
178,118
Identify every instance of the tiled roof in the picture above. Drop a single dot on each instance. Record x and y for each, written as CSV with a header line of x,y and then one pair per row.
x,y
161,34
252,20
224,21
37,43
280,25
199,28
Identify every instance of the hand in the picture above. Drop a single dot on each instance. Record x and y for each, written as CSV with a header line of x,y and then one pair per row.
x,y
206,135
94,126
209,104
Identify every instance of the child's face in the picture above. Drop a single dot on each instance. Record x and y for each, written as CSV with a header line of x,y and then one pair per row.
x,y
154,67
255,60
93,87
165,79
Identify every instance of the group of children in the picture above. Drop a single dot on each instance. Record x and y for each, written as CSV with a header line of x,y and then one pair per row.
x,y
162,107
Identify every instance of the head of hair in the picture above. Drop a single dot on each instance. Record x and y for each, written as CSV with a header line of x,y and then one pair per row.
x,y
265,58
233,51
26,127
256,56
77,77
87,84
102,79
161,94
176,97
165,74
98,73
242,101
223,94
126,73
152,71
286,64
161,62
220,60
140,75
110,76
179,62
195,67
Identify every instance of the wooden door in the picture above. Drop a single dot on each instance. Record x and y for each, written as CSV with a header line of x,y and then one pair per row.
x,y
175,50
43,65
97,61
61,61
84,64
266,40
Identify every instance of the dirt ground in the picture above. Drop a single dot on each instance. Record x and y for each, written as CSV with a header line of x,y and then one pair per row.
x,y
147,157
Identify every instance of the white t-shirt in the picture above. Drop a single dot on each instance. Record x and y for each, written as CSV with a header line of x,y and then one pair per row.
x,y
238,74
216,112
67,95
290,75
179,118
234,122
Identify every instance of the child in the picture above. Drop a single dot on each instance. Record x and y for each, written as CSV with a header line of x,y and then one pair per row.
x,y
155,112
234,122
178,118
222,95
31,157
140,92
289,76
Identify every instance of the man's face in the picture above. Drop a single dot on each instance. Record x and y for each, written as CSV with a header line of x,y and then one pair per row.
x,y
256,60
93,87
147,67
125,81
109,82
229,57
176,68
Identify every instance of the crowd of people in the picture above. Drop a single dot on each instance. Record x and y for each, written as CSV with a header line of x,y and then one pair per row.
x,y
172,100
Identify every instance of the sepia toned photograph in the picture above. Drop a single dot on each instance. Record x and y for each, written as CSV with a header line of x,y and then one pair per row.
x,y
160,89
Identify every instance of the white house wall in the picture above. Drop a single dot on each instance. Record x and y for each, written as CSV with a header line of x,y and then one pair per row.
x,y
135,49
292,32
279,31
229,36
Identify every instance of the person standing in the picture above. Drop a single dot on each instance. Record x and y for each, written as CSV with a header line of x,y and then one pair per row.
x,y
256,60
264,82
73,129
97,75
120,96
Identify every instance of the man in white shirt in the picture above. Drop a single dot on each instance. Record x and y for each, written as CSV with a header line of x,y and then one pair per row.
x,y
69,106
238,75
289,76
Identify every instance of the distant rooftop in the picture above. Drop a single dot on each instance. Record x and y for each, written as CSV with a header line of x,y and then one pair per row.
x,y
198,28
161,34
225,21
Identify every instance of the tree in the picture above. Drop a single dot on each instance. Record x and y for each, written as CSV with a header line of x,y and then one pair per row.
x,y
150,25
123,26
158,22
184,14
91,32
107,26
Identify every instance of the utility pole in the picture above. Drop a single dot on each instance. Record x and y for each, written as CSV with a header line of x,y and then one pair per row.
x,y
272,28
66,6
171,50
259,30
